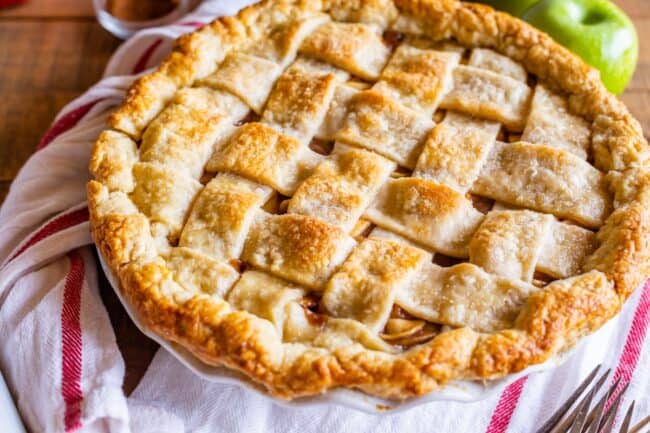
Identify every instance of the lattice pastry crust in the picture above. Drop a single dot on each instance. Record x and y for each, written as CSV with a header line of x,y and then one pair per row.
x,y
378,194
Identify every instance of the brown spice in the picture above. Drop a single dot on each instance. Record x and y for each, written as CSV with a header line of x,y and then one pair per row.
x,y
140,10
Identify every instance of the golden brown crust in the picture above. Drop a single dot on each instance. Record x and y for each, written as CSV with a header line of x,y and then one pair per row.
x,y
552,320
624,252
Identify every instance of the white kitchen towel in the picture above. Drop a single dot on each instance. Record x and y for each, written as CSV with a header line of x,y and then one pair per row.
x,y
58,350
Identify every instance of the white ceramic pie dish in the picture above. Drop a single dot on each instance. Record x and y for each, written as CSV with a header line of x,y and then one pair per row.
x,y
459,391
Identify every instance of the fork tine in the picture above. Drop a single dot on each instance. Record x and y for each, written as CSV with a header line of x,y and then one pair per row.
x,y
568,420
565,424
609,420
638,426
610,415
596,415
581,413
625,427
577,418
613,408
559,413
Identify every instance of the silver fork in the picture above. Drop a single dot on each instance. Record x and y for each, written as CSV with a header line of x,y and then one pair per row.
x,y
579,418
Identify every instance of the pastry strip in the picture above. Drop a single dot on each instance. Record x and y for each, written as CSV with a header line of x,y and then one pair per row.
x,y
185,134
378,123
282,45
418,78
163,195
364,288
249,77
342,186
485,94
495,62
456,150
265,296
550,123
431,214
509,243
298,248
333,333
357,48
222,216
263,154
199,273
545,179
299,101
464,295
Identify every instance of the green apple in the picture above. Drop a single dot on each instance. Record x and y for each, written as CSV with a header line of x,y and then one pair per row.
x,y
596,30
513,7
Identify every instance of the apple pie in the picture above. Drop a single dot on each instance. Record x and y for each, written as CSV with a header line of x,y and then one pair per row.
x,y
384,195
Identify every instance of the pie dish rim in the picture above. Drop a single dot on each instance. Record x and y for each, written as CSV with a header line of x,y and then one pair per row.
x,y
343,397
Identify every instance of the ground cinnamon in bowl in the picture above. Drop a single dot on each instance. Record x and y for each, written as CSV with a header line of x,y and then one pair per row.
x,y
140,10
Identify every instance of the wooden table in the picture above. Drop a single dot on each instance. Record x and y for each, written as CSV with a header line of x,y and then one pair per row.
x,y
53,50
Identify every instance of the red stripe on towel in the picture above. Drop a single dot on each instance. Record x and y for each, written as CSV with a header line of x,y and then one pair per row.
x,y
506,406
143,61
195,24
66,122
71,343
56,225
634,343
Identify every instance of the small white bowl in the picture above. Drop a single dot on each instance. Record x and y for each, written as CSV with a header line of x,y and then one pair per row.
x,y
124,29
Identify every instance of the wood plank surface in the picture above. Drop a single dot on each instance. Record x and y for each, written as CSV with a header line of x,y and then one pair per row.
x,y
53,50
4,189
54,9
637,95
636,9
43,66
